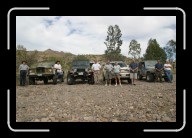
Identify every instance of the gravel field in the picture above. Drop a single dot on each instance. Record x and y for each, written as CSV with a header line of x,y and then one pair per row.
x,y
143,102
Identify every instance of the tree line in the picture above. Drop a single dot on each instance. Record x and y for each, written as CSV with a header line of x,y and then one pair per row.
x,y
113,43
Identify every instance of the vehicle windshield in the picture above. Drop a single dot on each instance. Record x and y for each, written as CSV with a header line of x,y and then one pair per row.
x,y
121,64
150,63
43,64
81,63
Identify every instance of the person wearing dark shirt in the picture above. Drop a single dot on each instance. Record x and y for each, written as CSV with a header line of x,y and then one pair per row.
x,y
133,71
158,69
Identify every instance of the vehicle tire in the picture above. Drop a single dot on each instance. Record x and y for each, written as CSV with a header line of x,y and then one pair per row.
x,y
139,76
112,81
55,79
62,79
70,80
103,77
31,81
45,80
129,81
166,79
91,80
150,77
171,77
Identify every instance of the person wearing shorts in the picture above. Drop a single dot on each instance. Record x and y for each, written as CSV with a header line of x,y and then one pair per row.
x,y
133,71
108,75
116,70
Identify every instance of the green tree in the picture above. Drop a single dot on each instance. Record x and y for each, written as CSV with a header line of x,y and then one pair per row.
x,y
154,51
23,54
134,49
113,56
113,43
170,49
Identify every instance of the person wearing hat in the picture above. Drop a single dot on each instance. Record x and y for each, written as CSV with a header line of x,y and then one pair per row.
x,y
23,68
59,70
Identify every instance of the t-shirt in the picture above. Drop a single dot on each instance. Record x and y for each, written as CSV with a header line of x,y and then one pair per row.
x,y
108,67
23,67
116,69
96,66
133,66
58,67
158,66
167,66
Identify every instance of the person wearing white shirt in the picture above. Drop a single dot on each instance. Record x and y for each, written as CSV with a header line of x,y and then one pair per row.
x,y
117,70
96,69
59,70
167,68
23,68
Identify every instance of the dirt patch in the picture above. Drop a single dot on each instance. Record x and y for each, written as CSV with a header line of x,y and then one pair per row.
x,y
143,102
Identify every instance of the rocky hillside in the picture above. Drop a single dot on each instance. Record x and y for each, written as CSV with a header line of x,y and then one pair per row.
x,y
44,55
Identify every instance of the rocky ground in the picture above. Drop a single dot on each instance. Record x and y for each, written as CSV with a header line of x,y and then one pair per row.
x,y
143,102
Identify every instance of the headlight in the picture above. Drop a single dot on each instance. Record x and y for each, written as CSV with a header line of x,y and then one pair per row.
x,y
75,70
50,70
86,70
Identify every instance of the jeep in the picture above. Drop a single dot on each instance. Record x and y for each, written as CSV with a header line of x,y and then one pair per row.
x,y
43,71
124,71
81,69
146,69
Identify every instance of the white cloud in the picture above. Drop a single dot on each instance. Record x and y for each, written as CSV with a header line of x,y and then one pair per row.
x,y
86,34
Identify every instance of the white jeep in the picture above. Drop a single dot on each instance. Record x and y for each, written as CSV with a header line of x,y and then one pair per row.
x,y
124,71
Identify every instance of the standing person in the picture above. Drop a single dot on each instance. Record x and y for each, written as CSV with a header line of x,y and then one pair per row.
x,y
96,69
108,74
142,69
159,69
23,68
116,70
167,68
59,70
133,71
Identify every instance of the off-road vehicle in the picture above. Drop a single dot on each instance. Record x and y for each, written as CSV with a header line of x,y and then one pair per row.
x,y
43,71
146,69
80,69
124,71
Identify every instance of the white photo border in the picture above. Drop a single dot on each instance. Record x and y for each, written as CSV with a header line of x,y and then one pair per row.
x,y
47,130
8,48
184,48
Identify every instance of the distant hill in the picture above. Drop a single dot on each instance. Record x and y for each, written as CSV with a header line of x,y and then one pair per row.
x,y
67,57
43,55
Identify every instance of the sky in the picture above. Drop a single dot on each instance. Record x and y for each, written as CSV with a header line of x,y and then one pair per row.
x,y
87,34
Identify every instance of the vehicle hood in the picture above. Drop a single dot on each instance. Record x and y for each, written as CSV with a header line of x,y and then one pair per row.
x,y
80,67
150,68
124,68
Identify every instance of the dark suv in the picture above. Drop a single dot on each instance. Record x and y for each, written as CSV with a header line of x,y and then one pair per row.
x,y
43,71
146,69
81,69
